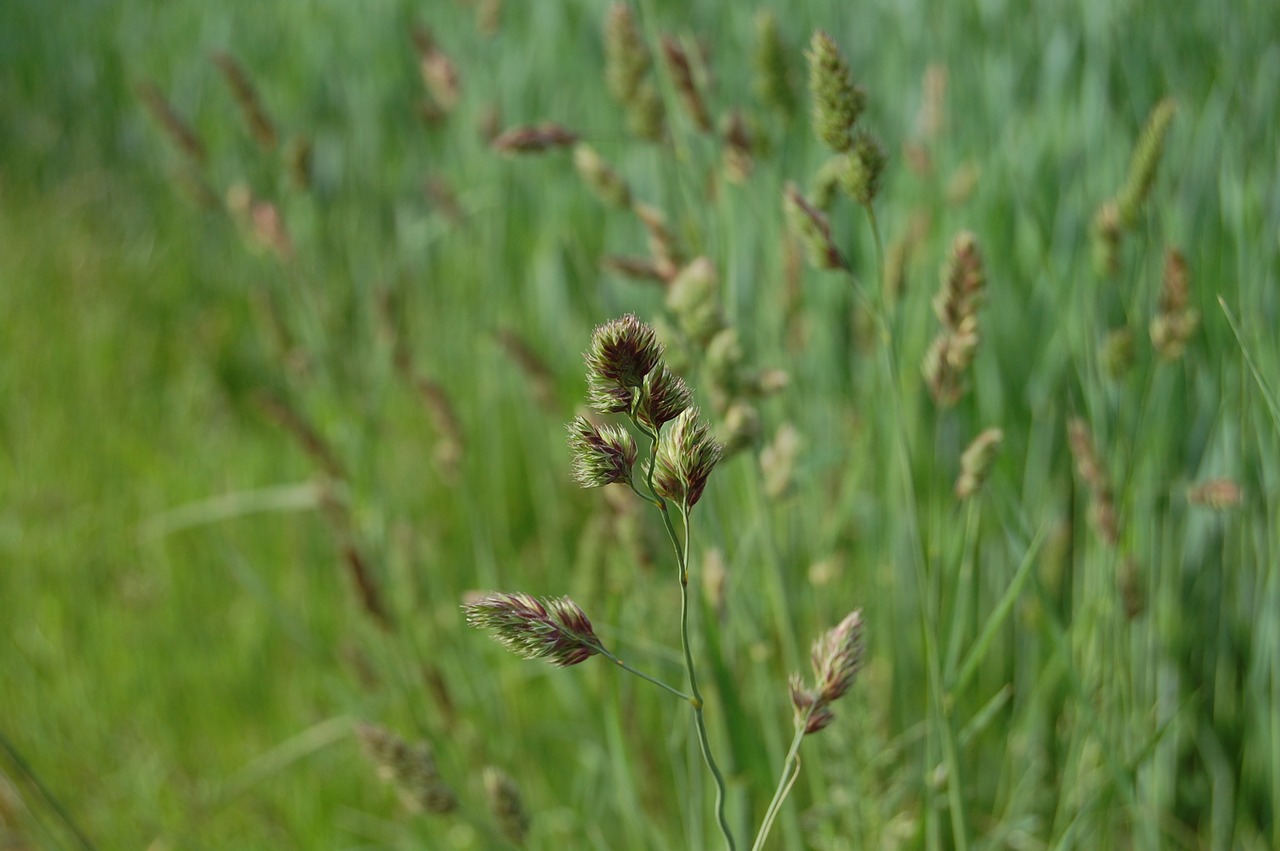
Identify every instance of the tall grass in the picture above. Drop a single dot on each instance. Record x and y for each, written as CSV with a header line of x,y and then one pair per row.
x,y
271,414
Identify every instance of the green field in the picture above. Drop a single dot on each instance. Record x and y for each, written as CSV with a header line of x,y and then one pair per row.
x,y
276,399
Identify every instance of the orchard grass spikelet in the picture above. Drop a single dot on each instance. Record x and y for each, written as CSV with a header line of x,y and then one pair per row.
x,y
664,397
686,456
837,102
553,629
863,169
623,351
602,455
627,58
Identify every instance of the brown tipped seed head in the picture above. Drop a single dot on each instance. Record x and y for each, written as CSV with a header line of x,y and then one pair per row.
x,y
533,140
811,226
608,397
837,102
549,628
624,351
686,456
1218,494
664,397
602,455
837,657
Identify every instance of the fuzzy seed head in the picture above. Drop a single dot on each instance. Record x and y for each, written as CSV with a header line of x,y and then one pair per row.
x,y
837,102
975,463
602,455
1146,159
837,657
626,56
551,628
534,139
863,169
623,351
664,397
686,456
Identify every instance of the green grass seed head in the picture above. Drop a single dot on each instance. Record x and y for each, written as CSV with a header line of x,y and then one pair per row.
x,y
506,805
837,102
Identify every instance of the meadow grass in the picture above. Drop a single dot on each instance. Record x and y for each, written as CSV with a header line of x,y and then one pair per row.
x,y
247,483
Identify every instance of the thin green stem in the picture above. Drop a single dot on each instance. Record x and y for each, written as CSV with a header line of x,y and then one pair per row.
x,y
682,556
790,771
641,674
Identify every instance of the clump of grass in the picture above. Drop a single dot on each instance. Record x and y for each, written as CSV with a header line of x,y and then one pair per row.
x,y
627,376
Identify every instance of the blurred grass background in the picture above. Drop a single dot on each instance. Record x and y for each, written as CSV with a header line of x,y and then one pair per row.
x,y
183,647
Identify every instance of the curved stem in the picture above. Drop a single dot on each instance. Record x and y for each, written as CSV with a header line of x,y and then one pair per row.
x,y
641,674
790,771
682,556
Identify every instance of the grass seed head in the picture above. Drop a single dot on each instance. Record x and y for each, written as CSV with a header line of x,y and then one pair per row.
x,y
623,351
774,77
686,456
606,183
837,102
1146,160
602,455
813,229
975,463
553,629
664,397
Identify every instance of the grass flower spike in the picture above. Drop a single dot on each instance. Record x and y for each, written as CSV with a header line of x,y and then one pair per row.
x,y
602,455
686,456
623,352
551,628
837,102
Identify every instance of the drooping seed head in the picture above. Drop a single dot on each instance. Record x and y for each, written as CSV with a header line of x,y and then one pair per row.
x,y
624,351
602,454
551,628
837,102
811,226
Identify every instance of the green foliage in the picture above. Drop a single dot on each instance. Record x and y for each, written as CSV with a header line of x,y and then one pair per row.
x,y
273,405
